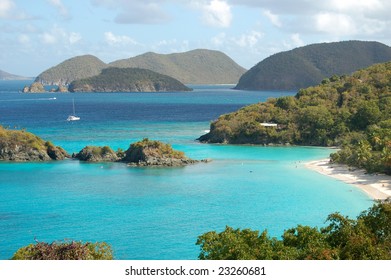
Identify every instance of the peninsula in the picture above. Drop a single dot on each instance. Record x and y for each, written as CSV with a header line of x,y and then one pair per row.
x,y
351,112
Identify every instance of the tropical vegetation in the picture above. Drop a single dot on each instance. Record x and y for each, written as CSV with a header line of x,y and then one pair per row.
x,y
368,237
352,112
20,145
65,250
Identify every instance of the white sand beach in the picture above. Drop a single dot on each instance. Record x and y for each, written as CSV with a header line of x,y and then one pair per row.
x,y
377,186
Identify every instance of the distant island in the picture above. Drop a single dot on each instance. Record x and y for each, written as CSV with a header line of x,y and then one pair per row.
x,y
199,66
352,112
7,76
127,80
309,65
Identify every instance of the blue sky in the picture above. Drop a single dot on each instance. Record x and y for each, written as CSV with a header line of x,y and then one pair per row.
x,y
35,35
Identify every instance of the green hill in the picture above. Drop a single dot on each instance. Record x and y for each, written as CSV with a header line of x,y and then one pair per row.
x,y
309,65
352,112
76,68
193,67
127,80
7,76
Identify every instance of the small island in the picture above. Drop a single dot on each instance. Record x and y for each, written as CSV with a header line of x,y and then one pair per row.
x,y
97,154
143,153
155,153
127,80
19,145
35,87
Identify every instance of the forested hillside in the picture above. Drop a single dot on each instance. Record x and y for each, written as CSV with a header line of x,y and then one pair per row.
x,y
76,68
193,67
309,65
353,112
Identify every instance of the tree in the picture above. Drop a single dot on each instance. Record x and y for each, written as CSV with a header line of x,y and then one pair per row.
x,y
71,250
366,238
368,113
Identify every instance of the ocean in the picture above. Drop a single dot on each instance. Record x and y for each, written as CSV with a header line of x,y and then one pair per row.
x,y
155,213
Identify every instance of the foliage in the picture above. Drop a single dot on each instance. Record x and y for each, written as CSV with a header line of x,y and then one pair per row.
x,y
366,238
309,65
145,148
21,138
126,80
97,154
353,112
65,251
372,152
13,142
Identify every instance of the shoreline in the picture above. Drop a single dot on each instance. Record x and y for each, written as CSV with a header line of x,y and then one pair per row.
x,y
377,186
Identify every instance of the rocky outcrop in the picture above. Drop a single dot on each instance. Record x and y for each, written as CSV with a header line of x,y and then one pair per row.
x,y
155,153
18,145
35,87
60,89
97,154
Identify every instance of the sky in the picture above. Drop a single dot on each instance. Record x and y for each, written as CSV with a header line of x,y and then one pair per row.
x,y
38,34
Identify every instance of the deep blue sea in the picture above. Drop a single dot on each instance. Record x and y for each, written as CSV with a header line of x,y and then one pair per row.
x,y
155,213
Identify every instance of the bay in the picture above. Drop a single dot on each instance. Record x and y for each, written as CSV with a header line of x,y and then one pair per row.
x,y
155,213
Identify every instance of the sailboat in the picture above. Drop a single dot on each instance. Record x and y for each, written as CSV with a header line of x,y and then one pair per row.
x,y
73,117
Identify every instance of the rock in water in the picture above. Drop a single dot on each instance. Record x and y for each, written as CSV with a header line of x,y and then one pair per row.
x,y
97,154
155,153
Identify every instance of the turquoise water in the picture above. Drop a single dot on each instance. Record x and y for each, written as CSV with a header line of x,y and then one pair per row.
x,y
155,213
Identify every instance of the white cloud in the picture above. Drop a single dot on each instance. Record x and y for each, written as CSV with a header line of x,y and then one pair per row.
x,y
112,39
336,24
5,7
250,39
136,11
63,11
219,39
215,13
349,6
74,37
360,18
24,39
274,19
57,35
218,13
49,38
296,40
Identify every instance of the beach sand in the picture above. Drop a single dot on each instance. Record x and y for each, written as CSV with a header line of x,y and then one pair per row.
x,y
377,186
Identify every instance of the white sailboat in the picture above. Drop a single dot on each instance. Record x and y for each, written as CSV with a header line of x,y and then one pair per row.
x,y
73,117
